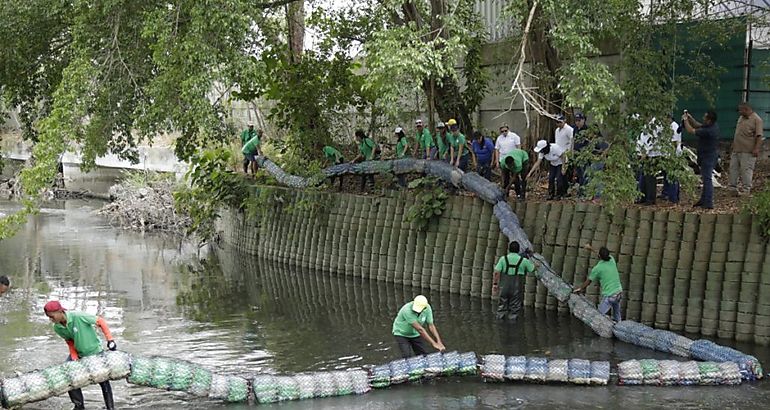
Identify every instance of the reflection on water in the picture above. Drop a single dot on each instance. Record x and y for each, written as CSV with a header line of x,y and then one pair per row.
x,y
243,315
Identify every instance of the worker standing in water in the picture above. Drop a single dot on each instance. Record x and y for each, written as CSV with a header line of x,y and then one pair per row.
x,y
78,330
509,277
606,272
409,328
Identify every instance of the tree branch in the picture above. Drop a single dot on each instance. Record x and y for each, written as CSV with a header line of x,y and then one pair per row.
x,y
274,4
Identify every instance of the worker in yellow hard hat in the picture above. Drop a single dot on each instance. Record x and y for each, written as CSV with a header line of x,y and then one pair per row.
x,y
409,328
459,154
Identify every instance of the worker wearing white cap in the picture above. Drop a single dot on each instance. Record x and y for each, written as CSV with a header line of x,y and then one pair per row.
x,y
402,147
557,160
409,328
424,148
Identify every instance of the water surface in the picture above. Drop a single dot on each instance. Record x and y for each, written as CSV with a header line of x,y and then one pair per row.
x,y
242,315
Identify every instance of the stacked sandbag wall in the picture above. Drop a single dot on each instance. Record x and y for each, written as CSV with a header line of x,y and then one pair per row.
x,y
700,273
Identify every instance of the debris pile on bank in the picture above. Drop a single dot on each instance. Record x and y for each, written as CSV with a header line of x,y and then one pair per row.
x,y
145,204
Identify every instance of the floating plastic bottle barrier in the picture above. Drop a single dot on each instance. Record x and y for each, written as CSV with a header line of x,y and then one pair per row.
x,y
651,372
59,379
540,370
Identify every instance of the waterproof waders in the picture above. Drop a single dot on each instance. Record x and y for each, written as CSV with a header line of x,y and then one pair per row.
x,y
511,292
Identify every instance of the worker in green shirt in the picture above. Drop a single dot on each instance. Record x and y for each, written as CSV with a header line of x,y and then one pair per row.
x,y
368,151
246,135
514,166
78,330
441,141
509,277
459,154
250,150
425,148
402,147
409,328
606,272
334,157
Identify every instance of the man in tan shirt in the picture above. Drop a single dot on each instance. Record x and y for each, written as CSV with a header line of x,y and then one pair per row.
x,y
746,144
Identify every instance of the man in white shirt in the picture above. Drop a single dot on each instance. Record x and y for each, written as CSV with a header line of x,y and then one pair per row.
x,y
670,187
564,137
564,134
506,142
649,153
557,161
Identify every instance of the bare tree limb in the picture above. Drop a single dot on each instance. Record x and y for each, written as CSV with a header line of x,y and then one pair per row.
x,y
274,4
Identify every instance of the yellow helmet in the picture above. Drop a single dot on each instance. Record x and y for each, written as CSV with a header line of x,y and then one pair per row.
x,y
451,122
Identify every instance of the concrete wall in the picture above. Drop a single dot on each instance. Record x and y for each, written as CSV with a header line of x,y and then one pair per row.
x,y
706,274
109,168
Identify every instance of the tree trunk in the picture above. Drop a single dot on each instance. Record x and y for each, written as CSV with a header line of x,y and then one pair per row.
x,y
295,19
545,64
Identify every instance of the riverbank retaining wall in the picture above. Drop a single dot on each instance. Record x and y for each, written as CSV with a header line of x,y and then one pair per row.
x,y
700,273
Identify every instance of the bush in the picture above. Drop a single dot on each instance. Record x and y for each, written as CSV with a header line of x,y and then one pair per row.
x,y
759,207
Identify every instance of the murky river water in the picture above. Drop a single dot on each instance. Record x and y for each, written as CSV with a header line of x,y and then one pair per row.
x,y
237,314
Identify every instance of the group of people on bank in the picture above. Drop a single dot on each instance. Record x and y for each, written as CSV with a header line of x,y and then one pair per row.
x,y
505,154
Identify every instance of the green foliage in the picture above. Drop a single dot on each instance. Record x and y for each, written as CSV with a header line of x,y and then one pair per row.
x,y
310,96
211,186
430,202
759,207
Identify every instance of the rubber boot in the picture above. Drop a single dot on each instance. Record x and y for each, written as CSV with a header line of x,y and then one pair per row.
x,y
107,394
76,397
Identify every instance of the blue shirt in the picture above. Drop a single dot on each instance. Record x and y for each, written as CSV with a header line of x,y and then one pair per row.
x,y
708,137
484,150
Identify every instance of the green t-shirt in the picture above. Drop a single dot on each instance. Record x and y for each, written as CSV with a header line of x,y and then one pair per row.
x,y
456,141
607,274
519,158
246,135
401,147
425,140
367,148
525,267
443,146
402,326
80,329
332,154
250,148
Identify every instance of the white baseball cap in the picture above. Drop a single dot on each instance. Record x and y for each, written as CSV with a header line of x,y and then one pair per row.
x,y
420,303
397,130
418,122
250,124
440,125
540,145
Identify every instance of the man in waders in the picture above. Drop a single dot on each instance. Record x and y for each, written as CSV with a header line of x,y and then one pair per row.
x,y
77,329
509,275
409,328
606,272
